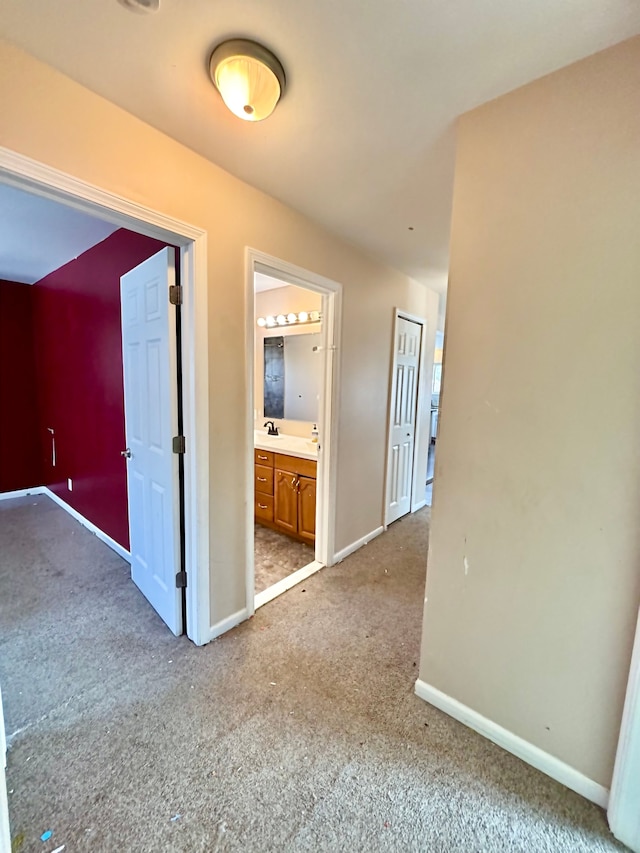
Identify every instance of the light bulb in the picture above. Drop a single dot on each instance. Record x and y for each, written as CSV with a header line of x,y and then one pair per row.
x,y
262,321
291,318
281,320
271,321
315,316
303,316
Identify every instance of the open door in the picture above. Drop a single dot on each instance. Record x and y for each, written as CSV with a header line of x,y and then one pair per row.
x,y
402,417
151,423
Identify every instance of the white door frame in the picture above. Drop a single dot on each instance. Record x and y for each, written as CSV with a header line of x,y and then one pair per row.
x,y
624,800
40,179
331,291
417,494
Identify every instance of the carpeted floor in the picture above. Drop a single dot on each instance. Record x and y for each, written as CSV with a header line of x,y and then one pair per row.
x,y
297,731
277,556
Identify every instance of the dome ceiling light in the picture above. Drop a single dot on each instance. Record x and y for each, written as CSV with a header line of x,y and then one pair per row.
x,y
249,78
141,6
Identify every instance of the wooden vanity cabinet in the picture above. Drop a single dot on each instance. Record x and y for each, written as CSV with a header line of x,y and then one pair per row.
x,y
286,500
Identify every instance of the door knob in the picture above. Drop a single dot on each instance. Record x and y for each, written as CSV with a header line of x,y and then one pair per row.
x,y
126,453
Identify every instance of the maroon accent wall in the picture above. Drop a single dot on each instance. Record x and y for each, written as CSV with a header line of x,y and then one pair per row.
x,y
79,363
19,442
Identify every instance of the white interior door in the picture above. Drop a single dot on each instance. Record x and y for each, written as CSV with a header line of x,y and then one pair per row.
x,y
151,422
402,417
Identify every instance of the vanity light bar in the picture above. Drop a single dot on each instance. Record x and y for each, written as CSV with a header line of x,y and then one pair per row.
x,y
290,319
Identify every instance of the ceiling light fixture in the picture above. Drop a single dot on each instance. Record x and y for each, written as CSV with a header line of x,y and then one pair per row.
x,y
140,6
249,78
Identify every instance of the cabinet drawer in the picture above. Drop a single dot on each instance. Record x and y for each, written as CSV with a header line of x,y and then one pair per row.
x,y
263,507
302,467
263,457
263,481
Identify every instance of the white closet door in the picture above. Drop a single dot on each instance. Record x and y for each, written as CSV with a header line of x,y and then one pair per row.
x,y
402,418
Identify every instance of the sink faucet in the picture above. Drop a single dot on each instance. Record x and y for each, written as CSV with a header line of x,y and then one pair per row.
x,y
273,429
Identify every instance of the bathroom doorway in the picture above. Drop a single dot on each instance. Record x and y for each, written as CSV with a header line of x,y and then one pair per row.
x,y
291,354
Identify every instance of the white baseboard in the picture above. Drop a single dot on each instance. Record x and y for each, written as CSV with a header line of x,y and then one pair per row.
x,y
364,540
23,493
286,583
227,624
533,755
104,537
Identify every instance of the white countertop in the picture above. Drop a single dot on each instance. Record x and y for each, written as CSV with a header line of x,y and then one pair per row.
x,y
292,445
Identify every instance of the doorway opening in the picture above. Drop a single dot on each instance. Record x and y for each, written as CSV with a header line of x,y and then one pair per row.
x,y
48,184
292,330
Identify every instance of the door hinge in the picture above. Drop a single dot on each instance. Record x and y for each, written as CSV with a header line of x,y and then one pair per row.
x,y
179,444
181,580
175,294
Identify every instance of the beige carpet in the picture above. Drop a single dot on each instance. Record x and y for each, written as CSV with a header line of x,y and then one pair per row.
x,y
277,556
297,731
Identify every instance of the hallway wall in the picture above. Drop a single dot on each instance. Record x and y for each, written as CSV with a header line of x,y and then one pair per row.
x,y
112,149
533,584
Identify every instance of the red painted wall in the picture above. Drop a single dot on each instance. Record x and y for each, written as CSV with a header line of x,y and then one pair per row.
x,y
19,442
79,363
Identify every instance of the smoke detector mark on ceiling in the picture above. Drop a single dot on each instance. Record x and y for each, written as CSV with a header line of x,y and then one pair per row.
x,y
140,6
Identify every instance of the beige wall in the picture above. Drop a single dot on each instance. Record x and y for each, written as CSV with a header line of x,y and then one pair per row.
x,y
538,465
50,118
281,300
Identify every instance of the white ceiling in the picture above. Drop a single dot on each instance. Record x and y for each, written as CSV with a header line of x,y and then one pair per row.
x,y
363,140
38,236
262,282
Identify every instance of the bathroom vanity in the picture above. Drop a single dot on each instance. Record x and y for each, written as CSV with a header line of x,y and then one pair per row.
x,y
285,484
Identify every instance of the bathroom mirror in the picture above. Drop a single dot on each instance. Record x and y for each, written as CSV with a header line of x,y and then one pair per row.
x,y
292,377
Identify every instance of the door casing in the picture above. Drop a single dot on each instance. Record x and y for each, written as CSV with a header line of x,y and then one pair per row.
x,y
623,810
331,291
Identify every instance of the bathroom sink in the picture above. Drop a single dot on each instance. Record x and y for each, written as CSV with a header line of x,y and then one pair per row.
x,y
292,444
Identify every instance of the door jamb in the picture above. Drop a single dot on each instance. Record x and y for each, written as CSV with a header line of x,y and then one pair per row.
x,y
622,811
331,291
35,177
417,502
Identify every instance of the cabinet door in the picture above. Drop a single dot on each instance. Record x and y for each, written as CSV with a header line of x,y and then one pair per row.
x,y
285,509
307,509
